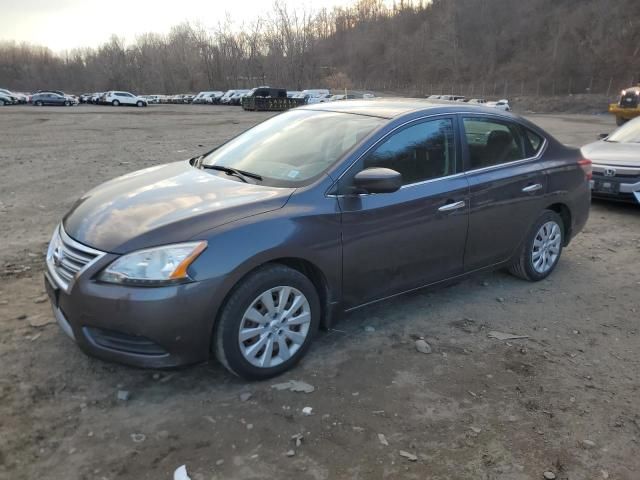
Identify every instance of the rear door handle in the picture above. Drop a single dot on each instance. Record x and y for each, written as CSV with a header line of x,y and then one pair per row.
x,y
452,206
532,188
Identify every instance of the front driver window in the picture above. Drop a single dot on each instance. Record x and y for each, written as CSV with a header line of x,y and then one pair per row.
x,y
422,151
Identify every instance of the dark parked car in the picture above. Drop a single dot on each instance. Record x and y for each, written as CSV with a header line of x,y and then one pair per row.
x,y
247,250
40,99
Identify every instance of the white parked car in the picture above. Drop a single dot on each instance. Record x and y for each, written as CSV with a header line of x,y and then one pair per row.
x,y
319,98
315,95
500,105
117,98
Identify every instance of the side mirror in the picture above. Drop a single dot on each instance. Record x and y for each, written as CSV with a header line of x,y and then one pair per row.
x,y
378,180
602,136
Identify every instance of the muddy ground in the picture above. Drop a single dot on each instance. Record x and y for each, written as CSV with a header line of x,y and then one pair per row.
x,y
564,400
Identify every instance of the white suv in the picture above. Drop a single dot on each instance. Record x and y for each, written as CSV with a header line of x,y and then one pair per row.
x,y
124,98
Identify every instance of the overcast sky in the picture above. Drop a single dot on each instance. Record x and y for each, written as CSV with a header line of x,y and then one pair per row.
x,y
66,24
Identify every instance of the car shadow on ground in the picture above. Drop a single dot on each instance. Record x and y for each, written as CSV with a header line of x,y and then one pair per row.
x,y
617,207
392,318
424,312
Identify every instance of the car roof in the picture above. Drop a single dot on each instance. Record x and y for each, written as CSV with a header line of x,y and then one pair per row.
x,y
397,107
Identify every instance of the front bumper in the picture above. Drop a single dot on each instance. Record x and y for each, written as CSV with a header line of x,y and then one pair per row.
x,y
616,183
622,112
139,326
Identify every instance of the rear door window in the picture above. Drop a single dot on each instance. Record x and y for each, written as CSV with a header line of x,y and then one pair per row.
x,y
493,142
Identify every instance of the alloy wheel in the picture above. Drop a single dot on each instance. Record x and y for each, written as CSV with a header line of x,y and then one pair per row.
x,y
546,247
274,327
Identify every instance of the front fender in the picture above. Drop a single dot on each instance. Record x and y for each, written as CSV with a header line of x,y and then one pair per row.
x,y
308,232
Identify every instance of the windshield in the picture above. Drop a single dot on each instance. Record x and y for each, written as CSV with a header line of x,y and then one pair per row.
x,y
293,147
629,133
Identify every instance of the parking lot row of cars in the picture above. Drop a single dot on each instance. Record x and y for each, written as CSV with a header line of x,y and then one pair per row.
x,y
119,97
502,104
213,97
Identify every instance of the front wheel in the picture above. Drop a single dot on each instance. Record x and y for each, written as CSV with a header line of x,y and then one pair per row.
x,y
67,104
268,323
542,248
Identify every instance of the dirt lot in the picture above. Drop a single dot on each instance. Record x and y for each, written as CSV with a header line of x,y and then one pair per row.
x,y
563,400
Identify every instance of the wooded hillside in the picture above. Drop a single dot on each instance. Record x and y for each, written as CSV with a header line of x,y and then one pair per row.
x,y
490,46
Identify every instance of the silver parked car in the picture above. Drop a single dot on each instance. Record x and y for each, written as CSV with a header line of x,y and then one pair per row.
x,y
616,163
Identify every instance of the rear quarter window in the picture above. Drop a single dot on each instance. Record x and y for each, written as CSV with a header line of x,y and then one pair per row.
x,y
533,142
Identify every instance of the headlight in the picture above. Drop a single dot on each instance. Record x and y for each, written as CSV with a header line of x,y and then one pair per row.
x,y
154,266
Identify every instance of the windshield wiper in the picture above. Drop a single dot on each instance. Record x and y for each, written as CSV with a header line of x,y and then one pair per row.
x,y
241,174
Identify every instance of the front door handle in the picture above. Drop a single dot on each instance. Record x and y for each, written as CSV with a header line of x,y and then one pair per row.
x,y
452,206
532,188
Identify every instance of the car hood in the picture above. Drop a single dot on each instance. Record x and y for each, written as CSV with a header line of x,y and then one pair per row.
x,y
611,153
164,204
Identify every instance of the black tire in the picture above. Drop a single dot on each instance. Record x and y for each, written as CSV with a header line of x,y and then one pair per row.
x,y
67,104
620,121
227,329
115,103
522,265
140,104
38,103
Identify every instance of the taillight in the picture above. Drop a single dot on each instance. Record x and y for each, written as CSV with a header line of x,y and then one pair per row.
x,y
585,164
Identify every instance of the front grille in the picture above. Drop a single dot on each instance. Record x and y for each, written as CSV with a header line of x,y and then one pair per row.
x,y
628,178
123,342
66,258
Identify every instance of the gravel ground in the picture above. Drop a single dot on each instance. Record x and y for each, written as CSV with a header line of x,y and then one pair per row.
x,y
564,400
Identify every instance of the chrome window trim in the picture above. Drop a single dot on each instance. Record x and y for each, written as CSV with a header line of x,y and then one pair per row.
x,y
67,240
506,164
464,172
432,180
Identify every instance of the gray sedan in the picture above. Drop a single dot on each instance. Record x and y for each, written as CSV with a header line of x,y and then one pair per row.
x,y
245,251
616,163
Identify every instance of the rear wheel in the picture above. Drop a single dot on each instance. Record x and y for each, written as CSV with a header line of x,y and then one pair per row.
x,y
268,323
140,104
541,251
38,103
115,103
